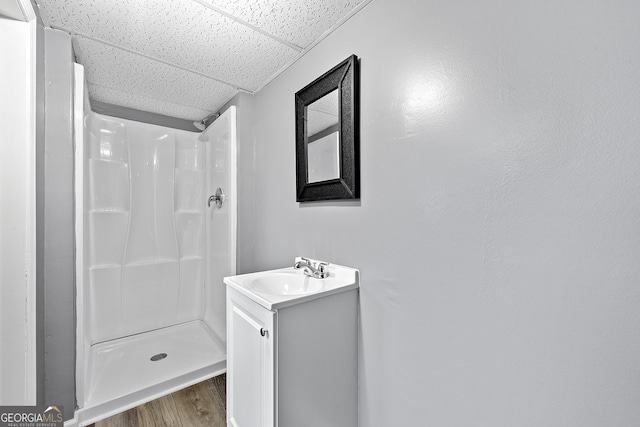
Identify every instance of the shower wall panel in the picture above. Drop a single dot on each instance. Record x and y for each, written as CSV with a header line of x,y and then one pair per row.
x,y
220,222
189,217
145,227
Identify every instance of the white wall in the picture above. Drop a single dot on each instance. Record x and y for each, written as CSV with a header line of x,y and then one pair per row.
x,y
498,233
17,214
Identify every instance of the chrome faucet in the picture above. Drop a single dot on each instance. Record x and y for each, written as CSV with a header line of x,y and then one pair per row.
x,y
316,270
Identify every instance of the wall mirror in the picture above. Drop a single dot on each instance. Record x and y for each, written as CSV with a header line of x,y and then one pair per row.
x,y
328,134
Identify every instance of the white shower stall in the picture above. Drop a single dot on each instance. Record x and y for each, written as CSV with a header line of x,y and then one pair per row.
x,y
151,255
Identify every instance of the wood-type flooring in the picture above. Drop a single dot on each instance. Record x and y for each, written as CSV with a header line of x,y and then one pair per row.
x,y
202,404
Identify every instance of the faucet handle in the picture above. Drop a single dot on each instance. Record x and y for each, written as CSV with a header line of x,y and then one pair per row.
x,y
322,269
298,260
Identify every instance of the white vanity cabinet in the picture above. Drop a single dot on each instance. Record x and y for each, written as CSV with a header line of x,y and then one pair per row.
x,y
250,363
293,364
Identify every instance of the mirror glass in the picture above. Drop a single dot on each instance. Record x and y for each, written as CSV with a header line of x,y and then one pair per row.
x,y
323,138
327,121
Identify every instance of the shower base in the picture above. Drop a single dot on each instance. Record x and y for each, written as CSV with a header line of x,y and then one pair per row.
x,y
123,375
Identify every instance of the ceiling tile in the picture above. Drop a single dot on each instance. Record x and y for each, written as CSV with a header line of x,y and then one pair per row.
x,y
110,67
121,21
188,56
176,31
298,22
125,99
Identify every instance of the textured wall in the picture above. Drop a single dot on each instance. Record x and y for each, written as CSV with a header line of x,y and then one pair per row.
x,y
498,232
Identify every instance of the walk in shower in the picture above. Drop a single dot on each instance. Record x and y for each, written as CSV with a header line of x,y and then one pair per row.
x,y
151,257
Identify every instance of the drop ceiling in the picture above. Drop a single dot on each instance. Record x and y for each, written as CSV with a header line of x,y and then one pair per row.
x,y
187,58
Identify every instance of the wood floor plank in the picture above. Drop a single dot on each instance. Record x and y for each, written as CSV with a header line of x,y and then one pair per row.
x,y
159,412
218,387
202,404
197,406
125,419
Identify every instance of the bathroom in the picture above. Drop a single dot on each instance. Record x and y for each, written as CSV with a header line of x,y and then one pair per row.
x,y
496,233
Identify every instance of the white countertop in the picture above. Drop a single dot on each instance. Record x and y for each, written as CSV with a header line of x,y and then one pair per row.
x,y
340,279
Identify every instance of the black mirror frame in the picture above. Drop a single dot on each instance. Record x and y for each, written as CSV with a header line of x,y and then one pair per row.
x,y
346,78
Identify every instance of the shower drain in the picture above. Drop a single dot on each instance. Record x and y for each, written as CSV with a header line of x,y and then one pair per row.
x,y
158,356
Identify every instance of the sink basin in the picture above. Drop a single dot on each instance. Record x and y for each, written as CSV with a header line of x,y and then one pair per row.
x,y
286,283
275,289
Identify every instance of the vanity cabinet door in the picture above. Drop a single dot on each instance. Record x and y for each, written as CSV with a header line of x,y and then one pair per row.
x,y
250,363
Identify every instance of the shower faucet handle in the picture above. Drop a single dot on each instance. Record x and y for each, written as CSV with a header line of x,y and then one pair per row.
x,y
219,198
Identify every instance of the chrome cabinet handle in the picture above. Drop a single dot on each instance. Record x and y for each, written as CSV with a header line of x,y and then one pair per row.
x,y
218,198
263,332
